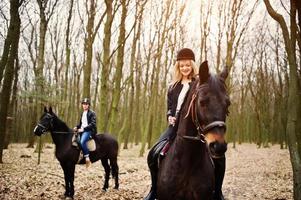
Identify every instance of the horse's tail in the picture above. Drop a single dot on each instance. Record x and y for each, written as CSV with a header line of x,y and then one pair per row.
x,y
113,161
114,167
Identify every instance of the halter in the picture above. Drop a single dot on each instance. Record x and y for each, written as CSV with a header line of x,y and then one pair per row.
x,y
202,130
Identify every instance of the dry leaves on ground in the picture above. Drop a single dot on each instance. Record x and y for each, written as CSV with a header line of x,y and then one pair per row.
x,y
251,173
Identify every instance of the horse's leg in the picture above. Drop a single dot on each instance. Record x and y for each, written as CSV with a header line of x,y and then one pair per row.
x,y
71,169
106,166
67,186
219,171
69,179
115,171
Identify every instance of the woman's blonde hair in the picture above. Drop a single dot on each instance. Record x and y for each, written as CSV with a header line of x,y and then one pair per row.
x,y
177,76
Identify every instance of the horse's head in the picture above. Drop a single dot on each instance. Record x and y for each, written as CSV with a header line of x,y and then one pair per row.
x,y
45,123
210,103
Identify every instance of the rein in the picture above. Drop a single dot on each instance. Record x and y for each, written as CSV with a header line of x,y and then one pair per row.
x,y
62,132
202,130
44,128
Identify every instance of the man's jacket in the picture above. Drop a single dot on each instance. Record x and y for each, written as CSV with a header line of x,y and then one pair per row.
x,y
91,117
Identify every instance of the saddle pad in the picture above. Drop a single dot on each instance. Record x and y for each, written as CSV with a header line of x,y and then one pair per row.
x,y
90,144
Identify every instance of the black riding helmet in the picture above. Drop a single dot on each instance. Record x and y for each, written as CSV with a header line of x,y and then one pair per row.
x,y
86,100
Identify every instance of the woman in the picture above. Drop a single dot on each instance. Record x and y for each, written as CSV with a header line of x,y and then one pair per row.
x,y
184,72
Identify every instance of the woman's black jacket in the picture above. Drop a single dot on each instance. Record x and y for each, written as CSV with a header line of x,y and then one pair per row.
x,y
174,91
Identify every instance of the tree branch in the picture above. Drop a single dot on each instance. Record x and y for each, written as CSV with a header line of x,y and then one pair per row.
x,y
279,18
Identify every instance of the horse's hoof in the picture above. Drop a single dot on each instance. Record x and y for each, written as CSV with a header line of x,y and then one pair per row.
x,y
69,198
104,189
116,187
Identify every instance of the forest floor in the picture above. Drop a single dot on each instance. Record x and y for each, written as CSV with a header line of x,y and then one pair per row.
x,y
251,173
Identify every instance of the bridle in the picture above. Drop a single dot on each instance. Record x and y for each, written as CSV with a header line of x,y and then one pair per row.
x,y
201,129
45,129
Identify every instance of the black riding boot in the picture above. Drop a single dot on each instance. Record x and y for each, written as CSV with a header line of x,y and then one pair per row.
x,y
152,161
152,195
220,166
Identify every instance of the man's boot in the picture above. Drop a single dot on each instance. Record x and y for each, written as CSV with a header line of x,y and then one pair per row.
x,y
88,162
220,166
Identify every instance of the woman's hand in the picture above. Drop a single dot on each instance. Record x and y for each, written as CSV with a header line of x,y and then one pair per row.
x,y
171,120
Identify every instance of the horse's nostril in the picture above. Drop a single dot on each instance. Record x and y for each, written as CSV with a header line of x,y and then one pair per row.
x,y
218,149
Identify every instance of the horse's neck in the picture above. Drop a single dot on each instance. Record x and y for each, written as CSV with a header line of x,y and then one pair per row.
x,y
186,127
60,133
185,124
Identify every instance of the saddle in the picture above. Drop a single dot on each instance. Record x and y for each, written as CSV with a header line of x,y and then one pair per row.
x,y
157,149
76,142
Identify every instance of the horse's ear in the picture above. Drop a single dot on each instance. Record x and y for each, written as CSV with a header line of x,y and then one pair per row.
x,y
50,110
224,74
204,72
45,109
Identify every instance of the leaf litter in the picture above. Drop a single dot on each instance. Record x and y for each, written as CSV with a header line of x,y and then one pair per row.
x,y
251,173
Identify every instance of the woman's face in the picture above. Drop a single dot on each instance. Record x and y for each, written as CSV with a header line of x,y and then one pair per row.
x,y
185,68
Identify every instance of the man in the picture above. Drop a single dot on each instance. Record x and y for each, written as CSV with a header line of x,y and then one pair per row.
x,y
86,128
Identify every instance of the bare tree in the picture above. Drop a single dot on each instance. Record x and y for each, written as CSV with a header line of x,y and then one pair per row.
x,y
293,134
119,66
89,40
105,66
8,60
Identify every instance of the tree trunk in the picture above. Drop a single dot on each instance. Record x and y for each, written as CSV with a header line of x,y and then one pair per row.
x,y
14,32
40,80
11,118
292,119
102,120
89,49
5,53
67,91
118,73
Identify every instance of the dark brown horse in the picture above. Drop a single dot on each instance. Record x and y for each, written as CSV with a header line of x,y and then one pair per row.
x,y
187,172
68,155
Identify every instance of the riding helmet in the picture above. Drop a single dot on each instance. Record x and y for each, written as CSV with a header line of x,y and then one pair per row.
x,y
185,54
86,100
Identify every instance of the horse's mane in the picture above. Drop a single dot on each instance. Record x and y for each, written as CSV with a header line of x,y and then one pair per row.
x,y
60,122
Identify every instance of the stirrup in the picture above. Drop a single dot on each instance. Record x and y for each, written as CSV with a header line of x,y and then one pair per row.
x,y
151,196
218,195
162,154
